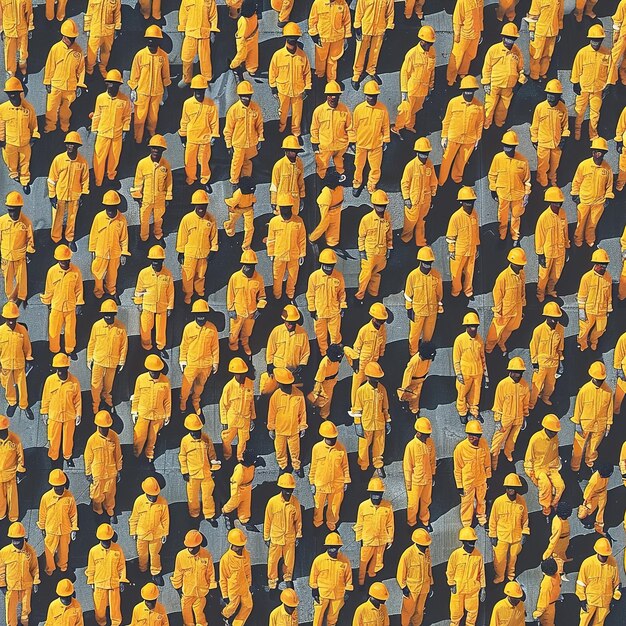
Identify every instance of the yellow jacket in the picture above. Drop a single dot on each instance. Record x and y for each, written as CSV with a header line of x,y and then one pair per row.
x,y
283,520
245,295
591,69
466,571
65,67
247,29
417,74
509,293
280,617
419,463
57,514
106,567
15,347
332,577
108,345
330,19
545,17
415,571
194,573
510,405
60,399
598,583
199,121
61,615
287,178
111,116
326,294
68,179
241,479
286,239
368,615
619,129
19,569
510,177
197,236
330,200
619,354
468,355
155,290
463,122
369,345
18,125
374,17
619,19
198,18
370,126
244,126
419,181
416,368
235,574
195,456
463,234
240,201
467,19
103,456
108,238
237,404
286,413
596,488
542,454
472,464
508,519
375,234
103,17
290,73
374,524
11,458
199,346
423,292
149,521
327,370
559,538
329,127
593,409
152,399
16,17
153,181
549,592
371,407
503,67
551,234
550,124
547,345
287,349
593,183
150,73
594,293
505,614
329,470
143,616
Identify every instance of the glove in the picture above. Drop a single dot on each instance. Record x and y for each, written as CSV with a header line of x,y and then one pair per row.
x,y
355,365
163,539
535,366
483,595
48,88
363,255
301,261
35,588
133,95
494,541
577,88
582,316
385,146
583,606
410,313
316,147
134,417
524,538
388,254
122,587
388,428
53,202
270,369
166,95
89,365
460,378
408,204
123,260
359,430
406,592
186,477
488,89
358,33
313,489
531,35
316,40
183,141
453,589
619,146
89,479
316,595
444,143
79,91
73,536
181,258
525,200
272,434
306,94
452,255
541,259
535,144
620,374
313,314
461,491
576,199
79,309
274,91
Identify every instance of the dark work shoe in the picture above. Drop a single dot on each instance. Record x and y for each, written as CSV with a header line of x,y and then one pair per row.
x,y
157,579
11,410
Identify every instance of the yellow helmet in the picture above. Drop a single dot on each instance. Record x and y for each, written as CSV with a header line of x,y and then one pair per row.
x,y
513,589
237,537
192,422
516,364
16,531
423,425
553,194
378,311
57,478
468,82
376,484
199,82
467,533
371,88
378,591
332,87
150,486
510,137
471,319
554,86
14,198
62,253
103,419
426,33
111,198
114,76
328,257
603,547
157,141
509,30
245,88
517,256
290,313
65,588
290,143
283,376
374,370
551,422
10,311
291,29
466,193
69,29
596,32
600,256
60,360
552,309
422,145
154,363
153,32
13,84
200,196
200,306
192,539
473,427
289,597
237,366
380,198
426,254
286,481
249,257
156,253
333,539
328,430
421,537
599,143
149,592
108,306
597,370
512,480
73,137
104,532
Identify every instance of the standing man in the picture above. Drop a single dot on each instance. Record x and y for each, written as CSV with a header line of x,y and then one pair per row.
x,y
103,24
374,610
65,609
330,29
618,62
325,380
288,176
198,20
595,301
17,22
414,376
13,470
467,25
330,203
239,504
287,613
149,611
545,21
236,579
415,578
510,609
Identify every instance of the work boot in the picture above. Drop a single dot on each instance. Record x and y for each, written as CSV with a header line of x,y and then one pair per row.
x,y
11,410
157,579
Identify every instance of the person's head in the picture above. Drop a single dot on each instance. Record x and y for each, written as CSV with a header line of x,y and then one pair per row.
x,y
69,32
510,142
426,37
248,8
111,201
154,365
602,548
153,38
193,424
517,259
193,541
328,260
467,197
516,369
332,93
549,567
71,148
61,365
285,379
290,316
335,352
246,185
599,147
554,197
14,90
199,85
604,468
474,432
332,180
244,92
375,490
597,373
103,422
329,433
512,485
371,90
467,536
249,458
423,429
551,425
513,592
292,34
151,488
333,543
286,211
509,34
10,313
290,600
378,313
563,509
286,483
200,202
105,534
248,262
471,321
113,81
156,256
65,591
427,351
378,594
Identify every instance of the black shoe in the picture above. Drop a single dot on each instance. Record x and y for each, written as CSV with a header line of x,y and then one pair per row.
x,y
113,519
164,354
73,247
300,140
464,419
516,243
428,528
26,189
70,462
161,242
211,521
11,410
300,473
157,579
74,356
29,413
208,188
377,78
251,528
480,418
355,85
356,191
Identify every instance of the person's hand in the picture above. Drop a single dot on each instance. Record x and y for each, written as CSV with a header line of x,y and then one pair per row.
x,y
89,365
316,40
576,87
315,147
123,260
453,589
302,433
79,92
606,432
77,420
212,37
35,588
79,309
541,259
439,307
181,258
452,255
410,313
488,89
164,539
358,33
48,88
460,491
118,477
461,379
620,374
385,146
582,315
486,381
387,428
535,366
535,144
274,91
444,142
583,606
43,532
405,96
619,146
494,541
531,35
53,202
272,434
305,94
406,592
483,595
359,430
576,199
267,542
183,141
313,314
363,255
89,478
134,417
408,204
166,95
133,95
476,144
316,595
169,312
270,369
352,146
313,489
524,538
73,535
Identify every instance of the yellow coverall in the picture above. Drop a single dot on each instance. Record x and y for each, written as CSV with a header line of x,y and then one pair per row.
x,y
598,584
419,187
60,615
198,20
288,179
466,571
330,203
235,582
286,245
19,571
282,528
618,61
509,177
467,24
103,463
594,296
505,613
17,22
108,242
243,133
106,571
152,404
149,77
196,458
61,405
330,19
58,518
546,350
288,349
461,131
545,21
154,294
150,8
595,498
373,18
102,19
326,297
509,300
16,241
542,465
245,297
375,239
11,463
549,127
144,616
64,73
332,578
325,381
329,133
413,380
369,133
68,182
370,410
149,525
369,346
558,542
286,418
468,358
415,571
423,294
551,241
472,468
240,493
329,474
60,10
241,205
463,238
549,593
15,350
199,357
247,42
508,521
18,128
194,575
367,614
619,363
374,529
620,129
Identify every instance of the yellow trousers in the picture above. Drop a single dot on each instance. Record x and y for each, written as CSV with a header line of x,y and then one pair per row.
x,y
192,609
149,550
497,105
98,44
412,393
154,211
422,329
332,502
370,561
407,111
325,327
412,613
106,155
504,559
414,224
193,382
279,268
239,609
61,434
68,210
327,608
588,217
197,154
547,617
146,115
14,598
593,100
548,160
474,497
105,276
374,158
102,379
58,103
241,502
329,226
551,488
595,615
102,493
323,157
463,53
374,439
371,44
192,47
455,158
590,506
549,277
587,6
618,60
468,395
15,49
542,383
326,58
295,104
247,53
282,443
57,320
504,438
193,276
620,392
201,487
284,8
58,545
462,273
248,225
60,12
588,443
18,162
149,320
621,172
500,330
240,332
103,598
369,276
14,383
328,387
540,52
241,163
506,8
150,7
9,501
15,279
459,604
515,209
145,435
358,378
590,331
275,553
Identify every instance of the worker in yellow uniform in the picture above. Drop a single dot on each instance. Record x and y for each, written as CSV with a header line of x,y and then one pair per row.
x,y
288,177
103,465
542,464
240,502
559,538
508,528
503,71
595,498
374,530
19,575
619,364
65,609
63,78
150,9
461,130
549,131
423,295
12,470
199,127
369,136
154,297
467,28
510,610
329,476
151,406
510,411
372,20
286,247
329,28
509,300
330,203
246,41
330,580
598,584
595,301
509,183
414,376
546,354
549,593
18,129
198,21
465,573
417,79
150,611
373,611
193,578
243,132
58,521
472,469
282,531
108,244
241,204
330,124
61,409
236,579
415,578
325,380
463,239
419,187
103,24
149,80
593,416
290,79
545,22
16,360
287,613
620,129
68,182
149,526
106,575
17,23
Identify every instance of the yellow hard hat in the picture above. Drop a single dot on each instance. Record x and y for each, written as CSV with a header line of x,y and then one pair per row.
x,y
286,481
4,422
422,145
73,137
513,589
421,537
193,539
200,196
290,143
510,137
111,198
371,88
517,256
466,193
237,366
157,141
378,311
471,319
62,253
104,532
597,370
65,588
154,32
551,422
290,313
291,29
289,597
378,591
516,364
473,427
57,478
10,311
426,33
553,194
599,143
249,257
192,422
150,486
60,360
245,88
237,537
554,86
333,539
69,29
596,32
603,547
512,480
380,198
114,76
467,533
423,425
509,30
328,257
156,253
108,306
103,419
16,531
199,82
150,592
283,376
552,309
13,84
200,306
376,484
153,363
374,370
426,254
14,198
600,256
332,87
468,82
328,430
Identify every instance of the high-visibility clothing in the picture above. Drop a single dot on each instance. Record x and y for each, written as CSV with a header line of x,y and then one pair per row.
x,y
68,179
619,362
154,292
415,572
367,614
103,462
620,129
466,571
16,20
15,350
546,349
595,297
65,67
194,574
18,127
195,457
413,379
61,403
374,528
558,542
240,492
198,20
152,403
280,617
282,527
467,25
541,464
102,19
505,613
551,240
286,244
419,186
419,465
108,241
144,616
509,300
325,381
243,132
60,615
375,238
468,359
472,468
326,296
244,296
619,44
329,473
508,521
502,70
369,346
247,42
374,18
58,518
19,571
241,205
288,179
235,582
549,593
330,19
199,124
329,131
286,417
149,522
371,410
598,583
289,349
150,73
594,499
463,238
16,241
423,294
549,126
331,577
199,346
330,203
545,20
11,462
